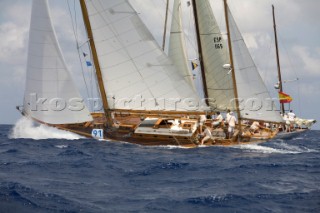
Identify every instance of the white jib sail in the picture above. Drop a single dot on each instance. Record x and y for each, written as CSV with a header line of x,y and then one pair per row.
x,y
215,55
177,50
137,74
50,95
255,100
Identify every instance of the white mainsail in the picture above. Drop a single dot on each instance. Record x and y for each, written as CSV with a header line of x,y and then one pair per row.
x,y
134,68
50,95
177,49
256,102
215,55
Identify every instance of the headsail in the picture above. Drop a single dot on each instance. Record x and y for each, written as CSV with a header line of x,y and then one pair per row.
x,y
177,50
215,56
50,96
255,100
135,70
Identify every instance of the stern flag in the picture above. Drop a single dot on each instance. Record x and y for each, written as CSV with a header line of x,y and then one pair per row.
x,y
194,65
284,98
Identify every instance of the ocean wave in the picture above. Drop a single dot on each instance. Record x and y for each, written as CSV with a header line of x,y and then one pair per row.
x,y
290,147
217,200
279,148
25,128
73,152
10,151
172,147
61,146
33,200
159,167
250,202
264,149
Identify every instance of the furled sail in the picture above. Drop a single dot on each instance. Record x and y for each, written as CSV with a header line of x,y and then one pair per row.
x,y
255,100
177,50
50,96
137,74
215,56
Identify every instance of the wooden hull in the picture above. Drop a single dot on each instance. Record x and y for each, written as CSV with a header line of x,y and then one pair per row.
x,y
124,132
152,140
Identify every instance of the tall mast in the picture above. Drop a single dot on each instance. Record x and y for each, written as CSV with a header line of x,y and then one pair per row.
x,y
165,26
231,62
278,58
96,62
204,82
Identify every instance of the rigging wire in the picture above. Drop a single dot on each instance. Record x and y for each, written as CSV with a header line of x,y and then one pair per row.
x,y
295,73
74,28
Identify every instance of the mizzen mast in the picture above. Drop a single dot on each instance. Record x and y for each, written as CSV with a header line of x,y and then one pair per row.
x,y
278,58
103,93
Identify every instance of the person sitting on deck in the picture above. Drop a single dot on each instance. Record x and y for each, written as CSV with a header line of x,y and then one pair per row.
x,y
207,134
255,127
218,120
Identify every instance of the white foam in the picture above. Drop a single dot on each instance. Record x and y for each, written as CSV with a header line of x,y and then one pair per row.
x,y
26,128
173,147
62,146
290,147
266,150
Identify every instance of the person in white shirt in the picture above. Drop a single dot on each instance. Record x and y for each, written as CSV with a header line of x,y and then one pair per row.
x,y
292,118
202,120
228,115
291,115
286,119
207,135
218,120
255,127
232,124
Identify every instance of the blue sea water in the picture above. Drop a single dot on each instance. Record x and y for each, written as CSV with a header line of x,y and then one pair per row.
x,y
85,175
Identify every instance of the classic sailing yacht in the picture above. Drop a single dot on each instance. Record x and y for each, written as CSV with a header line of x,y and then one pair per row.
x,y
302,125
147,97
241,82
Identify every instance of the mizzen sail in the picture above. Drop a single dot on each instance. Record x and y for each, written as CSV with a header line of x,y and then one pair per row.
x,y
255,100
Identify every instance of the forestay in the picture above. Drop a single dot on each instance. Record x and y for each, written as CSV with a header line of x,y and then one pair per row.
x,y
137,74
50,95
177,49
255,100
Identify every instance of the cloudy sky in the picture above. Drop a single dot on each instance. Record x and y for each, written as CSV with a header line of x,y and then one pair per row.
x,y
299,38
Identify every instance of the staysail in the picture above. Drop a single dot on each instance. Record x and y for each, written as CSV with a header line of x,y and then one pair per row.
x,y
50,95
255,100
177,49
137,74
215,56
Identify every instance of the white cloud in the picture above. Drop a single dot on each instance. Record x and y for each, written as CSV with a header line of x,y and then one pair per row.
x,y
311,59
13,42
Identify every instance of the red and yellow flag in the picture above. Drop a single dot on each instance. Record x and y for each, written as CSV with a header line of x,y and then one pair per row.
x,y
284,98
